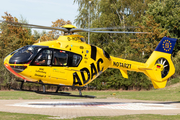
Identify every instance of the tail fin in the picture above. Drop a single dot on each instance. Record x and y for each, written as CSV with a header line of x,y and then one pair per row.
x,y
160,63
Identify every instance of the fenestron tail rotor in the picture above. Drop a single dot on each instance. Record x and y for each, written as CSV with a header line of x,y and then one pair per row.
x,y
165,69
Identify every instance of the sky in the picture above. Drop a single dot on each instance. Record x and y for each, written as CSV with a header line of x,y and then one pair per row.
x,y
40,12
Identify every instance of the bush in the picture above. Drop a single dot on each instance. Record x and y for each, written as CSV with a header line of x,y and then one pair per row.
x,y
176,61
112,79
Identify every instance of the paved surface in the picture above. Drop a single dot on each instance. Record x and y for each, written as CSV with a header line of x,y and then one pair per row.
x,y
71,108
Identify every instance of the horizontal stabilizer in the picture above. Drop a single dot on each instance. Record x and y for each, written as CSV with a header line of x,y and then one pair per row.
x,y
144,68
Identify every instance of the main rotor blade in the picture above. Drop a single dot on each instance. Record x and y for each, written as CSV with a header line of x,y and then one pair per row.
x,y
114,28
86,30
73,29
93,29
79,30
36,26
117,32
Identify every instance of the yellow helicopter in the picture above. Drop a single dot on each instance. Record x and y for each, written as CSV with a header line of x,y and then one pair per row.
x,y
70,61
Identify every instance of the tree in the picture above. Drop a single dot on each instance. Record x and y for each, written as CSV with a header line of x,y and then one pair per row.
x,y
145,44
82,18
167,14
54,34
12,37
126,11
58,23
111,13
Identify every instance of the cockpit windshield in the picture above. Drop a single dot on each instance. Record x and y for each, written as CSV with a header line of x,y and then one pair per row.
x,y
25,54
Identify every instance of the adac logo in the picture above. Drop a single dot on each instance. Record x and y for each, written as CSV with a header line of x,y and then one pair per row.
x,y
167,45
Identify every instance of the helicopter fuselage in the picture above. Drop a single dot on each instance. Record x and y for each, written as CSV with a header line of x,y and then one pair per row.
x,y
68,61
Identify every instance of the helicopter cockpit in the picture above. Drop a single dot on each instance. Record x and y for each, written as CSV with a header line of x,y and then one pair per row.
x,y
42,56
25,54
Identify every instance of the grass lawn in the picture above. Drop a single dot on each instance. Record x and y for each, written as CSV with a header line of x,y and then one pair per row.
x,y
19,116
170,93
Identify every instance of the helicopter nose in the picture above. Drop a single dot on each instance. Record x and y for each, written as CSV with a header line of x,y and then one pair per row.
x,y
6,59
10,68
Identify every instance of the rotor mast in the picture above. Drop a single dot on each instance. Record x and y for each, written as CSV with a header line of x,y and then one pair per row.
x,y
68,27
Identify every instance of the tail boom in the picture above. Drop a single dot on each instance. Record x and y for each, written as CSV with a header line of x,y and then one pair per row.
x,y
123,65
158,67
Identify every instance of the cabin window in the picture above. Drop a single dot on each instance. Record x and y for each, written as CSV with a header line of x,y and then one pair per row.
x,y
43,58
76,60
60,58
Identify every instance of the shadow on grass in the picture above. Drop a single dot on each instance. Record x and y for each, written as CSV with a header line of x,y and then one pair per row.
x,y
56,93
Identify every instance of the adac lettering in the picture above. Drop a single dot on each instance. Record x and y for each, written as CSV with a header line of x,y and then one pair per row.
x,y
94,71
124,65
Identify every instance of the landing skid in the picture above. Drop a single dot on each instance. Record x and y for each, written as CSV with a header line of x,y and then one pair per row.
x,y
54,93
65,94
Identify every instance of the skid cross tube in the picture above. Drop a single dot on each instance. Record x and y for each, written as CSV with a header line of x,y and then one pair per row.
x,y
54,93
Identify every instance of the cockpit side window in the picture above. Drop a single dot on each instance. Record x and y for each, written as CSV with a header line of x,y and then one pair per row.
x,y
60,58
43,58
